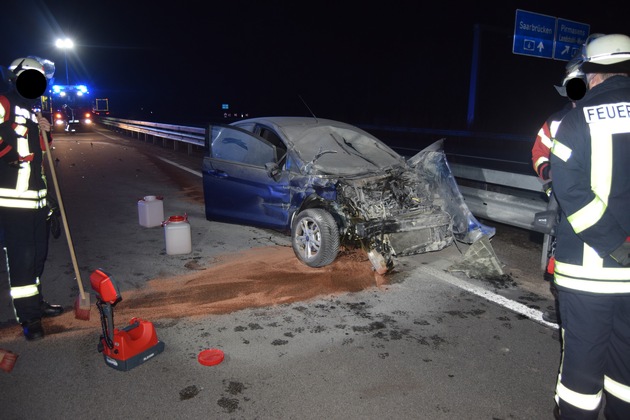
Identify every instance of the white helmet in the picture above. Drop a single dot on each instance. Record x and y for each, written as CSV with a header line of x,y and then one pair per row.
x,y
29,77
574,82
607,54
22,64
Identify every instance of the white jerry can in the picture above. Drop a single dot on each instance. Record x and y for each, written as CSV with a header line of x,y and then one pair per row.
x,y
151,211
177,235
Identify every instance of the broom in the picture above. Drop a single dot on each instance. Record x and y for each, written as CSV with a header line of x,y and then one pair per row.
x,y
82,303
7,360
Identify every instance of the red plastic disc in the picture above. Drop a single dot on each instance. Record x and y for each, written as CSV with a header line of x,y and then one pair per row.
x,y
210,357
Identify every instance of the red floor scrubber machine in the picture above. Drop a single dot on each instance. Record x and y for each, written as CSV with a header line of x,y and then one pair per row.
x,y
123,349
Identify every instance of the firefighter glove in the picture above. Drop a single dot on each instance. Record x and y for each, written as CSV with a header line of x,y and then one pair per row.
x,y
53,217
545,172
622,254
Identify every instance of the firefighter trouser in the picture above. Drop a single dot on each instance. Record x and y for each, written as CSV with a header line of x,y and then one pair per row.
x,y
25,239
595,356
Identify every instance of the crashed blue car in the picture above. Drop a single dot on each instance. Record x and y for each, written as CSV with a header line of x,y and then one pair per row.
x,y
330,184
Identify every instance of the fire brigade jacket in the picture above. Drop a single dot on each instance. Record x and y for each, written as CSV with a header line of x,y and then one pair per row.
x,y
544,140
22,179
591,176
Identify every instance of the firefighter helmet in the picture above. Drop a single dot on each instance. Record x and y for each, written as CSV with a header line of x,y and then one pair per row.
x,y
28,63
29,77
607,54
574,83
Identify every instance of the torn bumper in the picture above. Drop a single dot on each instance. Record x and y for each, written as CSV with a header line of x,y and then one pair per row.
x,y
412,233
432,165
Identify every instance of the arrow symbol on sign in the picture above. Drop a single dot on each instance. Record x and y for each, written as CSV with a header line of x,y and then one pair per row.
x,y
540,47
566,50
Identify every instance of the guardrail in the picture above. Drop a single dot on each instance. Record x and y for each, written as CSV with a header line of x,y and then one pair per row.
x,y
191,136
499,196
503,197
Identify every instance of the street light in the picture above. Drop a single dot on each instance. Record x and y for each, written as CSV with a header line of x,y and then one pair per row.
x,y
65,45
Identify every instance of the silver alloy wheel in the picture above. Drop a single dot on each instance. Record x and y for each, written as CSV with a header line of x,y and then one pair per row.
x,y
315,237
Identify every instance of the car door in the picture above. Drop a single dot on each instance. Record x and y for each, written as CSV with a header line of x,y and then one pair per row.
x,y
238,187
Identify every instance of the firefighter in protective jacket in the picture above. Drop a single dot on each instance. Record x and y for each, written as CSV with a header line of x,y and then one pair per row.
x,y
23,194
573,87
591,176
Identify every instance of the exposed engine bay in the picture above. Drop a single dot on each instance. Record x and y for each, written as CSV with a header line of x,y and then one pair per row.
x,y
394,214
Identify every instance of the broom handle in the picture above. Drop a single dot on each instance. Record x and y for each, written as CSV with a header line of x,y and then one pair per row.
x,y
63,214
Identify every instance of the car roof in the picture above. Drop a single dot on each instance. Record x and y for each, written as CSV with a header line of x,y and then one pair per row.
x,y
294,127
361,151
288,121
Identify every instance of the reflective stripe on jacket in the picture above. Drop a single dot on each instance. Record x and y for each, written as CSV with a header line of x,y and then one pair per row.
x,y
544,141
22,183
591,176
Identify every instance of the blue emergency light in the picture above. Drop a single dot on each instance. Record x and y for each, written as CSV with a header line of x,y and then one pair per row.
x,y
79,90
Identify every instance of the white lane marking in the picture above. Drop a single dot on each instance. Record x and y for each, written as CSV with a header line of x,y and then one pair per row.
x,y
198,173
104,134
533,314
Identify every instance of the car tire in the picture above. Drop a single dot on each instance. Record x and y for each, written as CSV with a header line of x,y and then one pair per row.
x,y
315,237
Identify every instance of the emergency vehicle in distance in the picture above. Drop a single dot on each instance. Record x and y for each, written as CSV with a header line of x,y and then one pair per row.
x,y
74,109
101,106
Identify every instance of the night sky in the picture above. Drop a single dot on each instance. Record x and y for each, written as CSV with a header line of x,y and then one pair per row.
x,y
401,63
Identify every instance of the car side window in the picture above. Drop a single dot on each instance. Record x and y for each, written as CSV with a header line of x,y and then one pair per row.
x,y
272,137
242,147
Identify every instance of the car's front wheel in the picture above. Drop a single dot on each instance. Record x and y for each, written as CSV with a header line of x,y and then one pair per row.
x,y
315,237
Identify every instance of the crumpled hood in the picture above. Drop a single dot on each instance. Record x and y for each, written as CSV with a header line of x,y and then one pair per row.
x,y
340,151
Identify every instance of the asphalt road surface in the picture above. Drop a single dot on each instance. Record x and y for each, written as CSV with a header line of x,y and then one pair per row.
x,y
340,342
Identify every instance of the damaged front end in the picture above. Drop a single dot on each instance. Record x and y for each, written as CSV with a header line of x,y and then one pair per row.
x,y
408,210
432,166
393,216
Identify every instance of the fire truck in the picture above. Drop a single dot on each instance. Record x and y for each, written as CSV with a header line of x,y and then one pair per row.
x,y
72,108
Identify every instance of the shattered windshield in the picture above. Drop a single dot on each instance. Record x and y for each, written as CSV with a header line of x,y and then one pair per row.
x,y
342,151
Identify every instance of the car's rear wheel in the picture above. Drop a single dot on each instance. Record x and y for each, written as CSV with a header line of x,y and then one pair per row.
x,y
315,237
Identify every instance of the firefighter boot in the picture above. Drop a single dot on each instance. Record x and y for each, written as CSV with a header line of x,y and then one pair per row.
x,y
33,329
49,310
